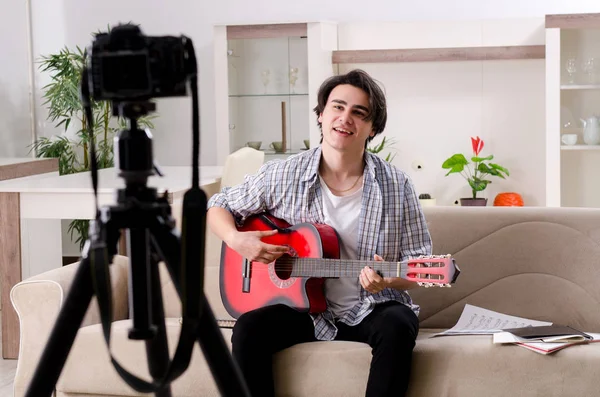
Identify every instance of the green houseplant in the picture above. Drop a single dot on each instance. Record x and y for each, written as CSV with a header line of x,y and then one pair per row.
x,y
385,143
475,173
65,110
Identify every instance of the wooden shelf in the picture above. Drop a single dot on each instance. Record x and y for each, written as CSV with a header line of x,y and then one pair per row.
x,y
268,31
439,54
579,147
573,21
264,95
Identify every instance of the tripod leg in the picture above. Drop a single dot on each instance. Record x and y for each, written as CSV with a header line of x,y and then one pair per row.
x,y
227,375
63,334
221,363
157,349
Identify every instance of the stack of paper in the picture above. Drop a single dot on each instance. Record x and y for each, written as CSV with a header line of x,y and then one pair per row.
x,y
545,340
477,321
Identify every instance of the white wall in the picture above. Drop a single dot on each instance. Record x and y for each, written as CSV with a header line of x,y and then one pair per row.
x,y
15,128
68,22
434,108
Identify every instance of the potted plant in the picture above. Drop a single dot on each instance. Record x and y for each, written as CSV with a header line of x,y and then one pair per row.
x,y
476,173
385,143
426,200
65,110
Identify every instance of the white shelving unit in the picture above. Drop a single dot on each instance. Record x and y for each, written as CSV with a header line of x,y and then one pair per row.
x,y
572,171
249,109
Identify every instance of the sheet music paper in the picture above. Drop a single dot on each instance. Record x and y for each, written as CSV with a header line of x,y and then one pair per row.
x,y
478,321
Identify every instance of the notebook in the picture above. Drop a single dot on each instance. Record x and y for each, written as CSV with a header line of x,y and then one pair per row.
x,y
549,333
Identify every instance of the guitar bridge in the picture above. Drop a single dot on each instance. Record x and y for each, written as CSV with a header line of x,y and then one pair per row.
x,y
246,274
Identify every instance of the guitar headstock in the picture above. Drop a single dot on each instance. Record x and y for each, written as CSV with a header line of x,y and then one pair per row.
x,y
432,270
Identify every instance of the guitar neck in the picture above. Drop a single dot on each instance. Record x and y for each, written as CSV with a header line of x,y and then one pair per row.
x,y
330,268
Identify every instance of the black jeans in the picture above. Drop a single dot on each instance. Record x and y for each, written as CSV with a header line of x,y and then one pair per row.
x,y
390,330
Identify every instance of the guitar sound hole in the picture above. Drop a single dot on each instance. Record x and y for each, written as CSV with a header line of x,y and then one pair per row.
x,y
284,266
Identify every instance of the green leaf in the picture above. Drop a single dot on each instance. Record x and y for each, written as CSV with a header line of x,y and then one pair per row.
x,y
478,159
456,163
478,184
499,168
80,227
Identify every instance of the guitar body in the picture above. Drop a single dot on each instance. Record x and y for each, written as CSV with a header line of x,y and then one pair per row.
x,y
263,284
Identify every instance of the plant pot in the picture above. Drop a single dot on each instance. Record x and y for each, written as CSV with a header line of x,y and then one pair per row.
x,y
427,202
473,202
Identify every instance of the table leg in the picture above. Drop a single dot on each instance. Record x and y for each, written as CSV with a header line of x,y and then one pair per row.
x,y
10,270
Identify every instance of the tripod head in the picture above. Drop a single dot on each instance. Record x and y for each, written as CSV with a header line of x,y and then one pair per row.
x,y
133,146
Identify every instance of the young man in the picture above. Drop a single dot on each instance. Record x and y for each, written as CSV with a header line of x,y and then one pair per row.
x,y
375,211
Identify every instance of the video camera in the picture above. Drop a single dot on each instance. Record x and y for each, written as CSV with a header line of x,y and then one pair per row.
x,y
126,65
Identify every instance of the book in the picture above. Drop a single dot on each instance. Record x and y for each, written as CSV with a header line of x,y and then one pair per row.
x,y
553,345
549,333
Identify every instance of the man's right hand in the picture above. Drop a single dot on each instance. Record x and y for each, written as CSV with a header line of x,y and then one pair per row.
x,y
250,246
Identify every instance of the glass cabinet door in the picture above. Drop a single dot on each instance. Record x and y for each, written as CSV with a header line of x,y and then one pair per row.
x,y
268,94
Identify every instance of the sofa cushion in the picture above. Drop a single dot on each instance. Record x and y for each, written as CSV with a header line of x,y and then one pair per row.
x,y
88,370
453,366
442,366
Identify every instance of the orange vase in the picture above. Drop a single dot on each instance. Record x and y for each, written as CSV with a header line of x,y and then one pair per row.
x,y
508,199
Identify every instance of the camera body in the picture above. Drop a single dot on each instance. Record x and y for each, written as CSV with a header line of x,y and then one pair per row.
x,y
125,65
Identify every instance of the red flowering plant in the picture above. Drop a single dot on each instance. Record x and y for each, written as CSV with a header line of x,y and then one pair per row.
x,y
477,175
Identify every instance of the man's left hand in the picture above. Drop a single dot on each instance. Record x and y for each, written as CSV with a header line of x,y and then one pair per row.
x,y
371,281
374,283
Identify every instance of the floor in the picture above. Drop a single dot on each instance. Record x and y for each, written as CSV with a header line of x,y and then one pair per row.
x,y
7,373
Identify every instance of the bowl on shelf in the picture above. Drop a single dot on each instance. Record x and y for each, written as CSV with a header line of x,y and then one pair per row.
x,y
254,144
569,139
277,146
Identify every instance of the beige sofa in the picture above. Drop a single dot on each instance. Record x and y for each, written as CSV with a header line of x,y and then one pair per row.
x,y
540,263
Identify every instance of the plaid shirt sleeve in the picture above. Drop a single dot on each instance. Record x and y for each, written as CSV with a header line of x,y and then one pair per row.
x,y
245,199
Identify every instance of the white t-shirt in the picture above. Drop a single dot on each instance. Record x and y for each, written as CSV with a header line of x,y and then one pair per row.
x,y
342,214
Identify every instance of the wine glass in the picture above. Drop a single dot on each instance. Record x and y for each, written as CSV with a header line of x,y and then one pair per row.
x,y
590,70
571,69
265,75
293,78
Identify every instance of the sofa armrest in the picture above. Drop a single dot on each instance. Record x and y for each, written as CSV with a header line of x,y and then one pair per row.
x,y
37,301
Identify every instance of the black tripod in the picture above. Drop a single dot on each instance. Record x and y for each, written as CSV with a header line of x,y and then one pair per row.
x,y
151,238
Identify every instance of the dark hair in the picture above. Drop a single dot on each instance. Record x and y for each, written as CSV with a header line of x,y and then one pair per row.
x,y
359,79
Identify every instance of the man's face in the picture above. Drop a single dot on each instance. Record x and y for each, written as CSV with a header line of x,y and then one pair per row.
x,y
343,119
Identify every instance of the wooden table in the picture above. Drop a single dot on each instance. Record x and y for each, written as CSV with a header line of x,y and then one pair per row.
x,y
33,208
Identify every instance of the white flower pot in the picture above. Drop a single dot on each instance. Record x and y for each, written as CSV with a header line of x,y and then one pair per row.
x,y
427,202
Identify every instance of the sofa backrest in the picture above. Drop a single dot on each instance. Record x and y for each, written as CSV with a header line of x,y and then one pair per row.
x,y
541,263
212,258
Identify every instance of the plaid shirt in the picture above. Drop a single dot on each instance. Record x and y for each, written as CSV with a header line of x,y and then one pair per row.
x,y
391,223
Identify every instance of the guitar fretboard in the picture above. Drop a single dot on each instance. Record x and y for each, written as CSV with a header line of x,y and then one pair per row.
x,y
324,267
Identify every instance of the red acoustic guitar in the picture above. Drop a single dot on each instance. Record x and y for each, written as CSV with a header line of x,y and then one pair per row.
x,y
296,279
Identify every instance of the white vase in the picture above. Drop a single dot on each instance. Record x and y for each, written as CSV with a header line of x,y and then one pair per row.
x,y
591,131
